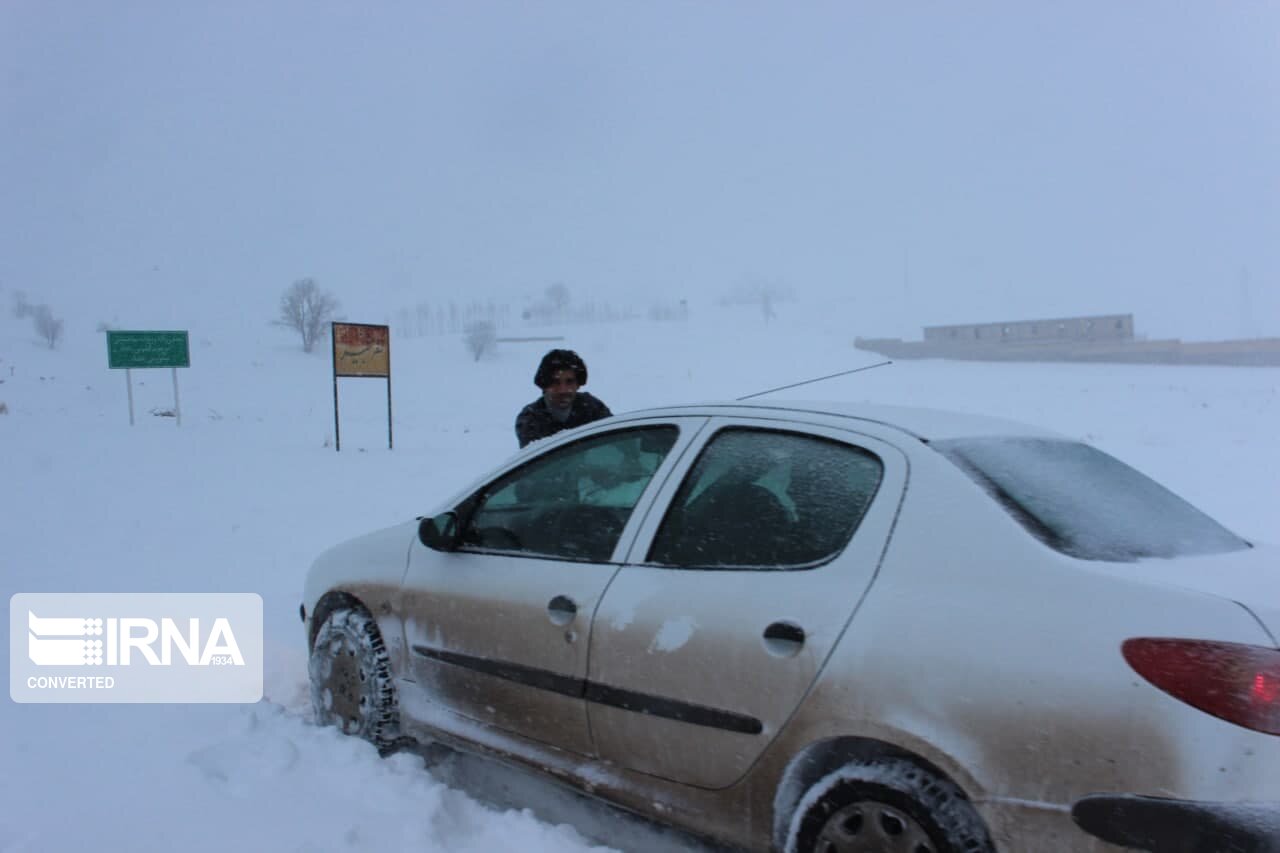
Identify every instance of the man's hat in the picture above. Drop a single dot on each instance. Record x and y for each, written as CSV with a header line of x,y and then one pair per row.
x,y
560,359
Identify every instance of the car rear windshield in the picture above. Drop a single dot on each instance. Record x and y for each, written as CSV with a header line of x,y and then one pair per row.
x,y
1085,503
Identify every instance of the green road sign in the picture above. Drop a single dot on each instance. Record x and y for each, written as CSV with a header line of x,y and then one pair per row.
x,y
147,349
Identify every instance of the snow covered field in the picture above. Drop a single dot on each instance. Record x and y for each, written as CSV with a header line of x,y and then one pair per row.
x,y
249,489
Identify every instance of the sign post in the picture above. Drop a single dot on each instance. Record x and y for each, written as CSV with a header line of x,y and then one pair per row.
x,y
129,349
360,350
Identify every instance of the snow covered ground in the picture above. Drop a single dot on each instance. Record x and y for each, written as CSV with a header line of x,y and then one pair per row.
x,y
249,489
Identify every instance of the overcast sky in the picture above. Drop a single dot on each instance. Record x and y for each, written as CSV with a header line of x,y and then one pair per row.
x,y
913,163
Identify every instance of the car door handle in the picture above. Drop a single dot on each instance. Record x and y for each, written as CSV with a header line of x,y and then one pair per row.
x,y
783,639
562,609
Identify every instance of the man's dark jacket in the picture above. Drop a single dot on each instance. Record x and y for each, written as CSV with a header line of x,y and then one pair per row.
x,y
535,420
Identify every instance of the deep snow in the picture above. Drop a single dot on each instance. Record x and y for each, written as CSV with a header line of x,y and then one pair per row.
x,y
249,489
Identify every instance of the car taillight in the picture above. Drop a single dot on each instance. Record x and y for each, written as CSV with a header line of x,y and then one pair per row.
x,y
1235,682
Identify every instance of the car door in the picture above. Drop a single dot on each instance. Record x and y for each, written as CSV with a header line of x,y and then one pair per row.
x,y
497,630
709,637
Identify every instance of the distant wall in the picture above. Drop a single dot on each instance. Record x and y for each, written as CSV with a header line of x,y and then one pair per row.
x,y
1254,352
1106,327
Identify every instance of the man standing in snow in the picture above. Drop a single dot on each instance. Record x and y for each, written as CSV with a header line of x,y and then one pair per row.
x,y
562,406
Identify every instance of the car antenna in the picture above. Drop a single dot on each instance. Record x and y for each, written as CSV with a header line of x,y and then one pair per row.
x,y
819,379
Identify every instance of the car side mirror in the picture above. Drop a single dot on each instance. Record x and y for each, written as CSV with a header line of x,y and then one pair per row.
x,y
439,533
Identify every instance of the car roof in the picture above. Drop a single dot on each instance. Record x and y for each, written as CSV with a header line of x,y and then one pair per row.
x,y
923,423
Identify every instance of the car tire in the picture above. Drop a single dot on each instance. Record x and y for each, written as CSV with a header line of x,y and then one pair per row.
x,y
890,806
351,681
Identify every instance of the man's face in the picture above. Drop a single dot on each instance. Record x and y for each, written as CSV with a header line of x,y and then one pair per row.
x,y
560,390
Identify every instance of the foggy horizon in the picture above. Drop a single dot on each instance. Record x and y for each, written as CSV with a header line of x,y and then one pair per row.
x,y
907,166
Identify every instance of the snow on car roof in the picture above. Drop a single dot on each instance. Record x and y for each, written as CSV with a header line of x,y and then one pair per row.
x,y
928,424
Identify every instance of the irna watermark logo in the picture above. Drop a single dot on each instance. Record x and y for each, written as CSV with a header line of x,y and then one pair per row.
x,y
135,647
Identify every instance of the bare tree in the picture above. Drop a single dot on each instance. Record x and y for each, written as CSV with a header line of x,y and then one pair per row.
x,y
480,337
21,307
558,297
47,326
759,291
306,309
766,305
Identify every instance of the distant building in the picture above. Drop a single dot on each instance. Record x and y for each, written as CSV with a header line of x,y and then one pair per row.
x,y
1105,338
1106,327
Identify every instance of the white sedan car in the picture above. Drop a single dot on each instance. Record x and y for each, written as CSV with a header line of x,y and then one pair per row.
x,y
824,627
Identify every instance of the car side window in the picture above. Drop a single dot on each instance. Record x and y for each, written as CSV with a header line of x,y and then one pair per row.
x,y
767,499
572,502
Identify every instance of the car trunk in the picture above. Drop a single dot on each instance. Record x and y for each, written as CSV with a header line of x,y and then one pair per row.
x,y
1250,576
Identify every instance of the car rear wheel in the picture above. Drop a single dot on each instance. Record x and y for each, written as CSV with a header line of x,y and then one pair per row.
x,y
351,683
886,807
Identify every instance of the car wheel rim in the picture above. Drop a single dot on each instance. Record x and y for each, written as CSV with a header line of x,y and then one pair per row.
x,y
871,827
345,686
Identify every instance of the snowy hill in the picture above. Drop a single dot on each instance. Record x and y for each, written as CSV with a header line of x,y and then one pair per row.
x,y
249,489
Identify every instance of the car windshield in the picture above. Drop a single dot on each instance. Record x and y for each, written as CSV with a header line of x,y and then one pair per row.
x,y
1085,503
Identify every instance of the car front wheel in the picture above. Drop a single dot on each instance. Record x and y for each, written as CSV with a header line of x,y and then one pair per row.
x,y
889,806
351,683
